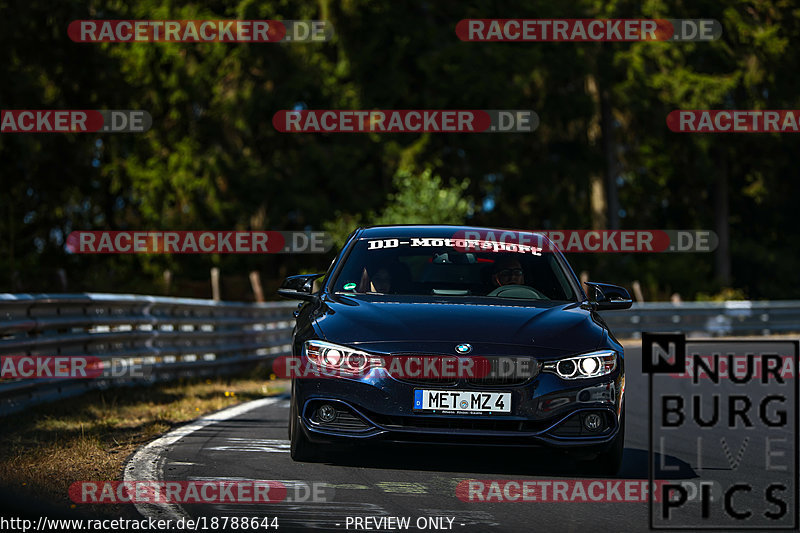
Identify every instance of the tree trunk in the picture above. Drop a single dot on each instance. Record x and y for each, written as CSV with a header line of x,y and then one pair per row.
x,y
607,128
597,194
722,255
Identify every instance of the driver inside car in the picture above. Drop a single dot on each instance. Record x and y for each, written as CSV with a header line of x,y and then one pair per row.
x,y
507,271
381,281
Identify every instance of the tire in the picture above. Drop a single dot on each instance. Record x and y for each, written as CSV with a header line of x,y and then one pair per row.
x,y
301,449
609,462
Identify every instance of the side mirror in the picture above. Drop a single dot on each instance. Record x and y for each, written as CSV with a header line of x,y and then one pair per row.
x,y
607,297
299,287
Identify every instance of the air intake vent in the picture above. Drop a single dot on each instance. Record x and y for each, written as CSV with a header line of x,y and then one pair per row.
x,y
344,420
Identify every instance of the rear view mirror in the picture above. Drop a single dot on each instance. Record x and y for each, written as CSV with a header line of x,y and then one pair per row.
x,y
299,287
605,297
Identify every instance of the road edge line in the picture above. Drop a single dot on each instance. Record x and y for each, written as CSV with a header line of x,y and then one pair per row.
x,y
147,463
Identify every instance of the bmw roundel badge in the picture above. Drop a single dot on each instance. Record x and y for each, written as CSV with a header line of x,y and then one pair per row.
x,y
464,348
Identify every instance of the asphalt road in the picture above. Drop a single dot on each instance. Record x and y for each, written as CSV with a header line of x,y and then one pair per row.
x,y
419,482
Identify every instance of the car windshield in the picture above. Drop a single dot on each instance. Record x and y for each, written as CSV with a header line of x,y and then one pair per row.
x,y
442,267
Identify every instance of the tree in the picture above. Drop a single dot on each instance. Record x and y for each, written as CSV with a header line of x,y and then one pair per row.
x,y
420,198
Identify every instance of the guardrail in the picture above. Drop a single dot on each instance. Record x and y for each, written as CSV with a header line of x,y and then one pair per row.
x,y
707,318
162,338
179,337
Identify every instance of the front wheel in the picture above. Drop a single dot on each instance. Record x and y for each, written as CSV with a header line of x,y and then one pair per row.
x,y
300,448
610,461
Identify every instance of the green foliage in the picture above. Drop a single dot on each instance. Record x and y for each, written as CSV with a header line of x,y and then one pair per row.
x,y
425,199
213,159
421,198
723,295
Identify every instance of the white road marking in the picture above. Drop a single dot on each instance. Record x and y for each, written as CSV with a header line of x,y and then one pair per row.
x,y
351,486
147,464
463,518
402,487
253,445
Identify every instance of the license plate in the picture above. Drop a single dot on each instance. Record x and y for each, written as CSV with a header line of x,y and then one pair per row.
x,y
484,402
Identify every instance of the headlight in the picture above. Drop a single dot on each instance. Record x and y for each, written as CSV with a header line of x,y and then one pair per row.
x,y
333,359
590,365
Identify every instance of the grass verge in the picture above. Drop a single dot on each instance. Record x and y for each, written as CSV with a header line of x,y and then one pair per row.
x,y
43,450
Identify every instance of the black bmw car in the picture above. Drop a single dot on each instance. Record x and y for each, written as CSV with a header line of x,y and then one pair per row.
x,y
461,335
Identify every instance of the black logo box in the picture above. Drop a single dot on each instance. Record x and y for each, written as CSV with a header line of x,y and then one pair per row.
x,y
666,342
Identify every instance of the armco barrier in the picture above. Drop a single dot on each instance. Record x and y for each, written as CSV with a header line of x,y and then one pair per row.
x,y
733,318
165,337
178,337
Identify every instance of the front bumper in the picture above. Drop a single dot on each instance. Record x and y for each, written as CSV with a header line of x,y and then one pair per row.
x,y
546,411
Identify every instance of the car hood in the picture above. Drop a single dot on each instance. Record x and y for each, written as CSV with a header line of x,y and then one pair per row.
x,y
408,324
